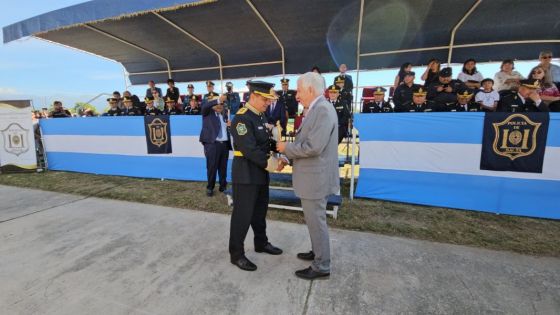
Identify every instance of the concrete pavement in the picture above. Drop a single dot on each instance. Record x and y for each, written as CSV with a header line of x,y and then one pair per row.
x,y
64,254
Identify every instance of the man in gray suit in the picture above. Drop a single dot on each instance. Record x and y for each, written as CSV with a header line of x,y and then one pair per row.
x,y
315,169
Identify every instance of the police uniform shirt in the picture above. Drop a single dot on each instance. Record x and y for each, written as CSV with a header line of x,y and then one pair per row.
x,y
210,95
251,140
514,103
342,111
410,107
377,107
114,112
192,111
153,111
444,97
172,111
403,93
469,107
129,111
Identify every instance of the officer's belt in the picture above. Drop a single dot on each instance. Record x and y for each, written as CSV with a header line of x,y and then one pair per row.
x,y
237,153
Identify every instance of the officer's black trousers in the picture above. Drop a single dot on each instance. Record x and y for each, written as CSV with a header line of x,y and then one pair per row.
x,y
216,161
342,132
250,204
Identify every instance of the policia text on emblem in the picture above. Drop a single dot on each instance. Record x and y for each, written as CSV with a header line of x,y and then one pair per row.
x,y
514,142
158,134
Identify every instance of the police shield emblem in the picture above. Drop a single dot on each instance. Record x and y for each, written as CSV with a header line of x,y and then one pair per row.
x,y
515,137
158,132
15,139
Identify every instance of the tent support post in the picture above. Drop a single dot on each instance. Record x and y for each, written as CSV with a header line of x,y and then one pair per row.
x,y
180,29
463,19
131,45
362,2
273,34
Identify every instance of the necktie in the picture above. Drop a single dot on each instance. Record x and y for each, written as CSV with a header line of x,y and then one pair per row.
x,y
219,130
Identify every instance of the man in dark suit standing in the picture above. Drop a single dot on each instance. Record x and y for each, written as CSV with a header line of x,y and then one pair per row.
x,y
277,112
215,138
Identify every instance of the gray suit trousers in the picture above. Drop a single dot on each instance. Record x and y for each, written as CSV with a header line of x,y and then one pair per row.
x,y
316,219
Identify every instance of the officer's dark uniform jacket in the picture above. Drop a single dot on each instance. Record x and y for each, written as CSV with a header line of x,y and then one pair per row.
x,y
173,93
513,103
113,112
288,99
445,97
60,113
470,107
251,141
342,110
172,111
348,83
192,111
427,106
373,107
403,94
126,111
152,111
210,95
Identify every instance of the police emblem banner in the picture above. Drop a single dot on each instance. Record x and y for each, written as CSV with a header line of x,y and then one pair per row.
x,y
17,139
514,142
158,134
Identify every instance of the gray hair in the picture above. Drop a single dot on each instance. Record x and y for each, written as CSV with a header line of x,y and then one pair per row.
x,y
313,80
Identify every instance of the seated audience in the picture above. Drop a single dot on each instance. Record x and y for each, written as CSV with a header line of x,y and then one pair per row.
x,y
418,102
151,109
549,91
170,108
552,71
430,75
526,99
114,109
487,98
403,92
444,91
378,105
507,78
59,111
469,75
404,69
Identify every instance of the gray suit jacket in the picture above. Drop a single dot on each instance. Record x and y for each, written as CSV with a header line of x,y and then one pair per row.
x,y
315,153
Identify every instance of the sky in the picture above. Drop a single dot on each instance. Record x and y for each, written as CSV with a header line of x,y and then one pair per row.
x,y
44,72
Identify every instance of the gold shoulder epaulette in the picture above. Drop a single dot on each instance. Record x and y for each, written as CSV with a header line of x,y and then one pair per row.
x,y
241,111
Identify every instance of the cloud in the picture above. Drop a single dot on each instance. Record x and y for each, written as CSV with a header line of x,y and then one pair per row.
x,y
106,76
8,91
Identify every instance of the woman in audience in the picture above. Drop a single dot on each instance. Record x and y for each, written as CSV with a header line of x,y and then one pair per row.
x,y
549,91
405,67
431,73
507,78
469,75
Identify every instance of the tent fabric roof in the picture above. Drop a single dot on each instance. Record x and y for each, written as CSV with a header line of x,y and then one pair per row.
x,y
147,36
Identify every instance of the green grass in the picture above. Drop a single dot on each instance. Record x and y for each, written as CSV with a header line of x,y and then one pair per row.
x,y
501,232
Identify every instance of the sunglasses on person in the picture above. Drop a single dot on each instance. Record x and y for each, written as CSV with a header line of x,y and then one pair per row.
x,y
546,57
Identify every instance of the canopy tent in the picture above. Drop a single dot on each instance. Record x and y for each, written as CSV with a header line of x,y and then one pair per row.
x,y
216,39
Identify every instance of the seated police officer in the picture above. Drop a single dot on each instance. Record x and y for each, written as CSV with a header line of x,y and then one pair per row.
x,y
128,107
215,138
444,91
59,111
342,111
114,109
418,103
151,109
403,92
170,107
378,105
250,177
465,102
192,108
527,99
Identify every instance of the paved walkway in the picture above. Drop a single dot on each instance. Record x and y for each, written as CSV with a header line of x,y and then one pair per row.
x,y
64,254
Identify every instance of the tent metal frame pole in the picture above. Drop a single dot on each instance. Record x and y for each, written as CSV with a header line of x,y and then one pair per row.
x,y
209,68
131,45
271,32
358,46
182,30
461,21
512,42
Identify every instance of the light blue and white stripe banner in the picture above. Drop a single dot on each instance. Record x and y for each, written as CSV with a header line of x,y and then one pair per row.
x,y
117,146
434,159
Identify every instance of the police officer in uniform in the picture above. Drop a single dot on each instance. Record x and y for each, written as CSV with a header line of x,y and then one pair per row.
x,y
114,109
250,177
192,108
128,108
233,101
211,94
464,102
151,110
418,103
342,111
287,98
345,94
59,111
170,107
526,99
444,91
378,105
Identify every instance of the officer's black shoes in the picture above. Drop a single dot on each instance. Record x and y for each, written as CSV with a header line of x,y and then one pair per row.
x,y
244,264
306,256
209,192
222,188
310,274
269,249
